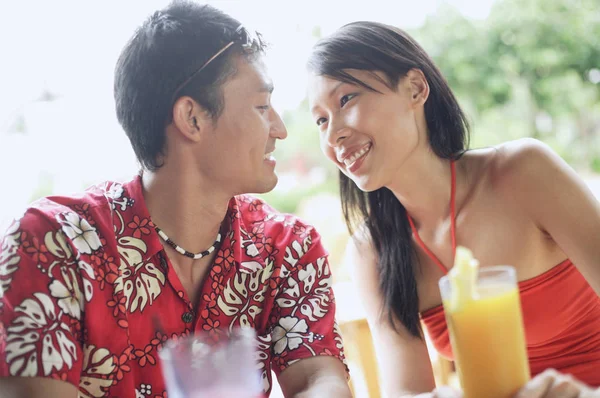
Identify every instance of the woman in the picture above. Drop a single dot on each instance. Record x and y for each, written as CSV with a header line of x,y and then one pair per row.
x,y
411,192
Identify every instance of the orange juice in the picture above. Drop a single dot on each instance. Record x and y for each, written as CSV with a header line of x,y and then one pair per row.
x,y
488,343
483,312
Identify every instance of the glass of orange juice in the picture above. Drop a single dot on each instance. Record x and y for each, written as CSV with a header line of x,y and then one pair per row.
x,y
486,331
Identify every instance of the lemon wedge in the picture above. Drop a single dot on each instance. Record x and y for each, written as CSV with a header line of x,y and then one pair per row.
x,y
463,278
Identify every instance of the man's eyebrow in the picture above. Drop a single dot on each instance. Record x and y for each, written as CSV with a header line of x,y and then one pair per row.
x,y
266,87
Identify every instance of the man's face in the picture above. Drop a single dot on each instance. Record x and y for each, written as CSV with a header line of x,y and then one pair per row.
x,y
238,155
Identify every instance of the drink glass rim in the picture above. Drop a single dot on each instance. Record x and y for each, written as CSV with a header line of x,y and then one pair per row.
x,y
487,271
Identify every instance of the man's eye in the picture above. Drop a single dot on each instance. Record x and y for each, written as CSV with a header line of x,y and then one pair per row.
x,y
321,120
344,100
264,107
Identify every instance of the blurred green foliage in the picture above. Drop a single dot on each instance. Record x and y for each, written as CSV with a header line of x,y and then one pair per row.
x,y
531,69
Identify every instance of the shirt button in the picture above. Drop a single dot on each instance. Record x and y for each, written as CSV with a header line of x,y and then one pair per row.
x,y
187,317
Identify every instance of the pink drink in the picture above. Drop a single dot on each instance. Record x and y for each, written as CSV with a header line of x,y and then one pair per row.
x,y
199,367
220,393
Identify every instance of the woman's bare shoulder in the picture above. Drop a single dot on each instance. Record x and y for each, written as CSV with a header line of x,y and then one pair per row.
x,y
519,164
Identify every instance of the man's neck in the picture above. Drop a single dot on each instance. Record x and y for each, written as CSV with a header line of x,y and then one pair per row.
x,y
185,207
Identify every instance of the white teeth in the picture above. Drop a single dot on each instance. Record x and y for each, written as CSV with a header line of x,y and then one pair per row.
x,y
269,156
356,156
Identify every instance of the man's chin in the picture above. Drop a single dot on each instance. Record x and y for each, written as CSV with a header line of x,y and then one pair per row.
x,y
266,185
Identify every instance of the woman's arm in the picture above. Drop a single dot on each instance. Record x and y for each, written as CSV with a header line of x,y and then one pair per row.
x,y
403,359
559,202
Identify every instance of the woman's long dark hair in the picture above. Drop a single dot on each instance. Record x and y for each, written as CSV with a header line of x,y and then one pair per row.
x,y
374,46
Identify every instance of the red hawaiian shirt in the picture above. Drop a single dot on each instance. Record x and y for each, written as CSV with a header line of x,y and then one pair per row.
x,y
83,278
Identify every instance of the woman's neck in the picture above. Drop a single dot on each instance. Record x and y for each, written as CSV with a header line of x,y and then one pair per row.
x,y
423,186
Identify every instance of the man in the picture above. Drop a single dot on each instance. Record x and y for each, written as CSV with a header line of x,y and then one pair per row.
x,y
92,286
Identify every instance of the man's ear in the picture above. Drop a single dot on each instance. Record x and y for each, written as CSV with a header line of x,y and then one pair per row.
x,y
190,118
418,85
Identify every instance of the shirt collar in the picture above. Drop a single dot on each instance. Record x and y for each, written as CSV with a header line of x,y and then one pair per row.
x,y
129,198
138,212
238,225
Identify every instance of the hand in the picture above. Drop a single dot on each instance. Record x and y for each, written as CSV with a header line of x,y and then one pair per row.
x,y
552,384
442,392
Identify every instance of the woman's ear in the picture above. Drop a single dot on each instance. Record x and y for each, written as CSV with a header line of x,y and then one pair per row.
x,y
418,85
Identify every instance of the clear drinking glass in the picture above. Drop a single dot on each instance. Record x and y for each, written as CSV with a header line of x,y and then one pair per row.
x,y
200,367
487,334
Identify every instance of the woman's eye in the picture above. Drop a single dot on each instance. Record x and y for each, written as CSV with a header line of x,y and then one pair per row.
x,y
321,120
344,100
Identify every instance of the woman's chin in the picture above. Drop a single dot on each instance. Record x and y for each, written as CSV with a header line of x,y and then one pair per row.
x,y
366,184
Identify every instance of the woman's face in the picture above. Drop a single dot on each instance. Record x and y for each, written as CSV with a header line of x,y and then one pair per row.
x,y
367,134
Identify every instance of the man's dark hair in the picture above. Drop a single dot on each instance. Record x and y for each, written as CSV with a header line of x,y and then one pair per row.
x,y
164,52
